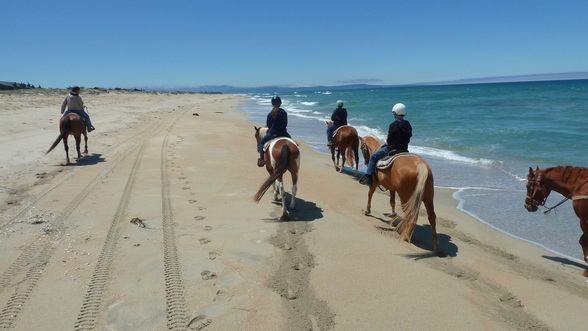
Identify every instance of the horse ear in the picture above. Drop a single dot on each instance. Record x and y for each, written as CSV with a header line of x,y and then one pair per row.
x,y
530,170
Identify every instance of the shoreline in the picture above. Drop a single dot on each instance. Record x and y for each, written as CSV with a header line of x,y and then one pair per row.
x,y
166,160
530,227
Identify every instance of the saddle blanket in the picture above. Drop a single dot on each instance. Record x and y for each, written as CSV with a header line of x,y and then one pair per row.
x,y
275,140
386,161
337,129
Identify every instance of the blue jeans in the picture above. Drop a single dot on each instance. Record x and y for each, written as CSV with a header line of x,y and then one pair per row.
x,y
380,153
81,113
330,131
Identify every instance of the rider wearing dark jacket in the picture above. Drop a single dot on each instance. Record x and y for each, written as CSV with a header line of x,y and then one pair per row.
x,y
339,118
399,134
277,121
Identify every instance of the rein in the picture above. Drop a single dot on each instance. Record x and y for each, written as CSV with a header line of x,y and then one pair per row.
x,y
571,196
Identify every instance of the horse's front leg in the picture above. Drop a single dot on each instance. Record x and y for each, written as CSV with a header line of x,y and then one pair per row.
x,y
78,142
368,207
85,143
393,203
333,158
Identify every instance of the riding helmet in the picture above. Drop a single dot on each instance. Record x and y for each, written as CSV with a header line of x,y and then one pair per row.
x,y
276,101
399,109
340,103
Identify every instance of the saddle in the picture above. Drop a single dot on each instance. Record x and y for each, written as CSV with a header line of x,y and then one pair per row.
x,y
274,140
76,113
337,129
387,161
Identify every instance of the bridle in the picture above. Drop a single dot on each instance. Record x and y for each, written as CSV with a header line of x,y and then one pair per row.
x,y
536,187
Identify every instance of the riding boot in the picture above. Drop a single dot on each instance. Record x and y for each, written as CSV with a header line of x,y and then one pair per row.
x,y
366,179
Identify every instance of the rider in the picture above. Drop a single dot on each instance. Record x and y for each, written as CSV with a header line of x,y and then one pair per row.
x,y
339,118
74,104
277,121
399,134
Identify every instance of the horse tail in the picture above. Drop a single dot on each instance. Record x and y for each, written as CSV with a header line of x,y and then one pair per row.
x,y
411,209
351,156
283,167
66,129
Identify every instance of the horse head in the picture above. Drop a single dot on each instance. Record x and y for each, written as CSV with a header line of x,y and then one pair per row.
x,y
368,145
260,132
537,193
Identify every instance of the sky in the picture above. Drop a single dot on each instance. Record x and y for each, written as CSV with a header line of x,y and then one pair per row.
x,y
250,43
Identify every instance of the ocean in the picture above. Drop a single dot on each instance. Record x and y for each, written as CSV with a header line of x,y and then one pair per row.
x,y
479,139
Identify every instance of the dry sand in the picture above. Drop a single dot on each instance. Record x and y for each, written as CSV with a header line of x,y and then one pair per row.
x,y
155,229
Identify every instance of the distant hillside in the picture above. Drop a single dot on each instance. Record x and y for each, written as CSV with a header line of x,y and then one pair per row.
x,y
290,89
16,86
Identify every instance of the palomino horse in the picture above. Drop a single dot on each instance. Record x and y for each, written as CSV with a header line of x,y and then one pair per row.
x,y
572,183
71,124
411,177
282,155
346,141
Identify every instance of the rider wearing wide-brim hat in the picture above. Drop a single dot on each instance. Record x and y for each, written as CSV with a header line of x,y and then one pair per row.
x,y
74,104
399,134
276,122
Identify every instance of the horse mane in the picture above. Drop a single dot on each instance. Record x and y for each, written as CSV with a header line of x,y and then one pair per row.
x,y
567,174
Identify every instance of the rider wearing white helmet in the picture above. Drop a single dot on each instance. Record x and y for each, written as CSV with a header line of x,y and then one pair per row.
x,y
339,118
399,134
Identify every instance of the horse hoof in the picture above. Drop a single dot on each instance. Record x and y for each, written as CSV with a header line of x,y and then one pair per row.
x,y
585,273
440,253
365,212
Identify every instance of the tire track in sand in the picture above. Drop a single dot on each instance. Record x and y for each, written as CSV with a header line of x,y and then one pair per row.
x,y
38,253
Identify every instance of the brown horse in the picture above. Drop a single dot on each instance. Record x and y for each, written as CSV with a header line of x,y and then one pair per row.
x,y
71,124
282,155
346,141
411,177
572,183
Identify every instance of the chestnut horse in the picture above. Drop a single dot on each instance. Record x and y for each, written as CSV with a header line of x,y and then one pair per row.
x,y
346,141
71,124
411,177
572,183
282,155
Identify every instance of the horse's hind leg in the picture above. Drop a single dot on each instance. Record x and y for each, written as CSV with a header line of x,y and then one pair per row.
x,y
66,147
428,202
294,190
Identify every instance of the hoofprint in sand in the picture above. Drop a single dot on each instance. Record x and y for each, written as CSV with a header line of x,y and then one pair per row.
x,y
156,229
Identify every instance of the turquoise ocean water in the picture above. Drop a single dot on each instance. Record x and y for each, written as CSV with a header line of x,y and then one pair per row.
x,y
479,139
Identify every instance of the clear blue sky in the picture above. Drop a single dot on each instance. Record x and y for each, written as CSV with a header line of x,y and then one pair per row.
x,y
251,43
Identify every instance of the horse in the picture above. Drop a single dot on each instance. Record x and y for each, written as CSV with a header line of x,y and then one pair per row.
x,y
411,177
572,183
71,124
346,141
282,155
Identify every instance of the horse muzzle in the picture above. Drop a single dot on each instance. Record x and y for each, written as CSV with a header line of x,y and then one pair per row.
x,y
531,207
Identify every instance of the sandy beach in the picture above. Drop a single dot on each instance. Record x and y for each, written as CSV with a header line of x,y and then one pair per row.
x,y
156,229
